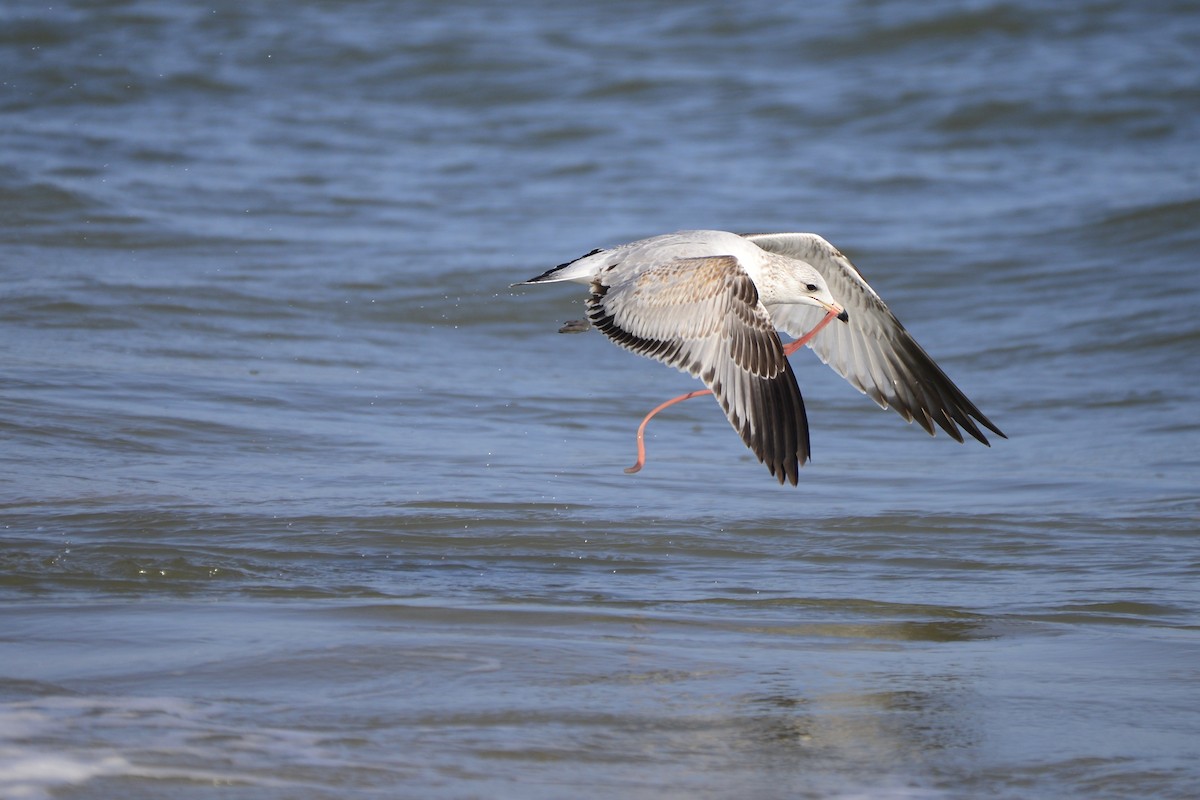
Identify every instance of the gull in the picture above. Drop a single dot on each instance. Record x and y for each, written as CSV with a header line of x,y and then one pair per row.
x,y
710,303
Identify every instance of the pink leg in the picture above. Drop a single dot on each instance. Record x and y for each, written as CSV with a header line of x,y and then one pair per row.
x,y
788,349
641,432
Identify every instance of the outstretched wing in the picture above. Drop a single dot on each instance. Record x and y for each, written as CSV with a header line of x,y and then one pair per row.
x,y
873,351
702,316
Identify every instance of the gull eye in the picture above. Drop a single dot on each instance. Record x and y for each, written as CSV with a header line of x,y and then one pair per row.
x,y
812,287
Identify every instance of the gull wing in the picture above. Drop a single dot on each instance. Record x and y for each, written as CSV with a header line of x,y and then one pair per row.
x,y
703,316
873,351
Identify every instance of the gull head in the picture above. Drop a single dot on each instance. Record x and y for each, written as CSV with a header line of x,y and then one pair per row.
x,y
798,283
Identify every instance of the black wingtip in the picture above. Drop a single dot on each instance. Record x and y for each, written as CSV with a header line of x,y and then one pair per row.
x,y
988,423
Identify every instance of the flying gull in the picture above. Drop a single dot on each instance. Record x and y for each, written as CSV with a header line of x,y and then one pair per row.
x,y
709,303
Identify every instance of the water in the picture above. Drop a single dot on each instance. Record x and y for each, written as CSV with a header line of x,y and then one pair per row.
x,y
299,499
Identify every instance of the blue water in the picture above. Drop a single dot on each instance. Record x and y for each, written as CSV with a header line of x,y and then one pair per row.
x,y
299,498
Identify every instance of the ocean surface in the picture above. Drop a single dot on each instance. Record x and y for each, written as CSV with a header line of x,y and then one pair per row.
x,y
299,499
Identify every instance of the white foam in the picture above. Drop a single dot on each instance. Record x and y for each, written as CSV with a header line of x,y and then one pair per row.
x,y
29,773
40,750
